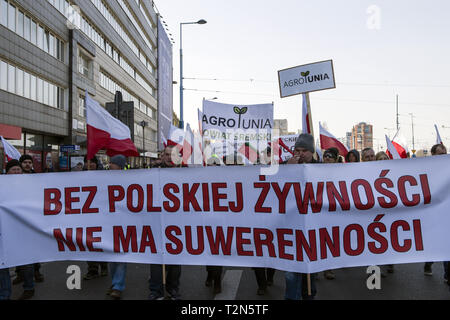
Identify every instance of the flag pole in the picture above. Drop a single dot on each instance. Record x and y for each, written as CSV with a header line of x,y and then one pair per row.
x,y
310,124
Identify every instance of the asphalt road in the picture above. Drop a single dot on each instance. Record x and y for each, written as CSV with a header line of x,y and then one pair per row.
x,y
406,283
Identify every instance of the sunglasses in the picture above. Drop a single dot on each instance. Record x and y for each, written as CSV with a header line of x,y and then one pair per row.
x,y
329,156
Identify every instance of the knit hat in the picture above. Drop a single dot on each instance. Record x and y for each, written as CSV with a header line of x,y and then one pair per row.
x,y
12,163
119,160
305,141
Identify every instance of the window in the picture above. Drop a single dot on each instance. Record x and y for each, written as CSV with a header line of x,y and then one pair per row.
x,y
45,101
20,24
52,46
19,82
40,90
4,13
11,79
46,41
60,98
40,37
51,95
32,87
33,33
26,31
3,76
26,85
12,17
81,107
83,65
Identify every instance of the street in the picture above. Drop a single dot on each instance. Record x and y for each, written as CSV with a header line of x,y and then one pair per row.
x,y
406,283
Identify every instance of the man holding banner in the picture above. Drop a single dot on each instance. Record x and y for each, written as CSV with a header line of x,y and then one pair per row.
x,y
167,276
297,286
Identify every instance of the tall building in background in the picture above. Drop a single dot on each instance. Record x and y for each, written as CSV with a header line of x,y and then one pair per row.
x,y
361,136
53,51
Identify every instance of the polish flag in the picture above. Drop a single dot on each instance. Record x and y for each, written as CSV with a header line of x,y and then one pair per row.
x,y
399,143
392,151
200,121
319,151
250,154
106,132
176,137
305,116
187,146
10,151
438,136
327,140
164,140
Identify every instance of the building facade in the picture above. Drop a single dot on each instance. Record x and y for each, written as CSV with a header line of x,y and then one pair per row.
x,y
53,51
361,136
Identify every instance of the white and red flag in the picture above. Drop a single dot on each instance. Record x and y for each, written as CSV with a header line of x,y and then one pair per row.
x,y
305,116
319,151
106,132
200,120
250,153
438,136
164,140
176,137
187,150
10,151
392,151
399,143
327,140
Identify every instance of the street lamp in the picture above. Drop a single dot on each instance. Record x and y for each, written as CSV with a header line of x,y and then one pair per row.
x,y
181,67
143,125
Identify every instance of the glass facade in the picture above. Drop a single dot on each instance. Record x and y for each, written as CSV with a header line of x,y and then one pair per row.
x,y
20,82
23,25
92,33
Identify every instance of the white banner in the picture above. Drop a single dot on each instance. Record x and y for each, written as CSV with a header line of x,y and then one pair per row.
x,y
243,123
306,78
304,218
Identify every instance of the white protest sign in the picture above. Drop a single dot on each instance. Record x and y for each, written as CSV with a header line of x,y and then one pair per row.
x,y
306,218
247,128
287,146
306,78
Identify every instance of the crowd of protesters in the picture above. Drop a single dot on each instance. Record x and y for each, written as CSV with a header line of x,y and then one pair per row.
x,y
164,280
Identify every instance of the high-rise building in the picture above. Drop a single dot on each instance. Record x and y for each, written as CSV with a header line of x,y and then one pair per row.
x,y
361,136
53,51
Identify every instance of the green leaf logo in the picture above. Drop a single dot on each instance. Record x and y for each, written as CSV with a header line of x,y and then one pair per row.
x,y
239,111
305,74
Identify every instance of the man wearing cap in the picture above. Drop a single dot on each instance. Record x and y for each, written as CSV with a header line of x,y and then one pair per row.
x,y
118,269
296,283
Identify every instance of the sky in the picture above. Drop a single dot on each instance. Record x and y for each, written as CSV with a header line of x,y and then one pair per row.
x,y
380,49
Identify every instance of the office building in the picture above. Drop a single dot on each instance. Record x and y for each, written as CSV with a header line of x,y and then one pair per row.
x,y
53,51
